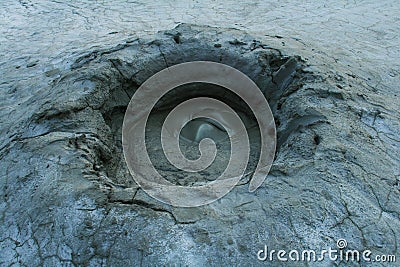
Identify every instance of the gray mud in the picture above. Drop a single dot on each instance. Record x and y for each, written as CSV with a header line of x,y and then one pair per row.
x,y
68,198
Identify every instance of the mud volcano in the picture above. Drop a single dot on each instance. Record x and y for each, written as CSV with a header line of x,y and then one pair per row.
x,y
69,198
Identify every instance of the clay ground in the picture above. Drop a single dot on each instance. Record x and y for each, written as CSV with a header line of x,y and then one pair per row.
x,y
353,45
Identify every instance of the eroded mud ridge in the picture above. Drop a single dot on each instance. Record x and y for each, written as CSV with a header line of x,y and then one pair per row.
x,y
74,202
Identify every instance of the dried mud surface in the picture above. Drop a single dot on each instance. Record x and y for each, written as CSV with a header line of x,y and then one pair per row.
x,y
332,84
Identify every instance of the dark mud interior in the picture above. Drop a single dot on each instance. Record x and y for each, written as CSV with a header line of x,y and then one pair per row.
x,y
283,75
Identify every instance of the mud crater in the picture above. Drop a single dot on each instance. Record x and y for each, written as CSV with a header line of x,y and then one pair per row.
x,y
100,84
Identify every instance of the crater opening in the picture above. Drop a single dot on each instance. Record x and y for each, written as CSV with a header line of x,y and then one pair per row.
x,y
273,73
198,129
106,80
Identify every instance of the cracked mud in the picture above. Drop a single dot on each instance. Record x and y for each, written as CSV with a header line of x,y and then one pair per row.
x,y
68,198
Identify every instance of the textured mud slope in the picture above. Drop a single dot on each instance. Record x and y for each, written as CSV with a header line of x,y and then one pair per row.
x,y
67,197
